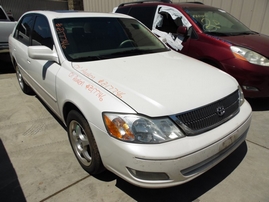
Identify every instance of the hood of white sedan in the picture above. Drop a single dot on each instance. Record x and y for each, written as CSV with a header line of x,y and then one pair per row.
x,y
159,84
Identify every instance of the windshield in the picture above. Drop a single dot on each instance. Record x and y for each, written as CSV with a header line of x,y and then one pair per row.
x,y
87,39
217,22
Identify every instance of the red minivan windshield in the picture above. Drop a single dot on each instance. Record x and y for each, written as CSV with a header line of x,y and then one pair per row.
x,y
217,22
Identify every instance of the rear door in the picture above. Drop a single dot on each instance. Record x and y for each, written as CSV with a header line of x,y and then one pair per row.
x,y
22,37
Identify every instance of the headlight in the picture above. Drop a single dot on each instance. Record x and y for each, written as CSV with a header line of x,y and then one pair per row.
x,y
249,55
241,96
139,129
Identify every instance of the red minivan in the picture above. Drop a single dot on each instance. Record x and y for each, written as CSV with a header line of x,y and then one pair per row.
x,y
211,35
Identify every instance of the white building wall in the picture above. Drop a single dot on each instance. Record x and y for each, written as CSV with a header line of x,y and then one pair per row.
x,y
253,13
18,7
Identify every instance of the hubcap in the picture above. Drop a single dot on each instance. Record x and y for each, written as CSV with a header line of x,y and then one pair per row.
x,y
19,77
80,143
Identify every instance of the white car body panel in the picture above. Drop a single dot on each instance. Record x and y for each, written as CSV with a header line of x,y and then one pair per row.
x,y
135,82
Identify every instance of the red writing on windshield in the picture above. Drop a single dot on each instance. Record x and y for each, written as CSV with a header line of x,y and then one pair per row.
x,y
62,35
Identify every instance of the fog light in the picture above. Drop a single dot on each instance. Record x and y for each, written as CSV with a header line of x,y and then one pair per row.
x,y
148,175
250,88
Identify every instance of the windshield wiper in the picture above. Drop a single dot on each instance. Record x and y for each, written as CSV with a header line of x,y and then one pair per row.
x,y
126,53
245,33
112,55
218,33
88,58
121,53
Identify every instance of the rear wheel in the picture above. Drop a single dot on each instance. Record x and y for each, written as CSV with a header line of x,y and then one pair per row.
x,y
83,143
24,87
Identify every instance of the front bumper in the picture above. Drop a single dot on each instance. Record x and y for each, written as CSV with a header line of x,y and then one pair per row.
x,y
180,160
253,79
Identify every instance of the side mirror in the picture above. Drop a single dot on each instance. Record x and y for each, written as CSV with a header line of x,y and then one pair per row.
x,y
42,53
182,30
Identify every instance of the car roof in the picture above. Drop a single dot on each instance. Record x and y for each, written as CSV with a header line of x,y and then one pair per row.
x,y
176,5
74,14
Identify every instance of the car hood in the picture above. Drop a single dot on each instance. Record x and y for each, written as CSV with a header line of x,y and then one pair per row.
x,y
256,42
159,84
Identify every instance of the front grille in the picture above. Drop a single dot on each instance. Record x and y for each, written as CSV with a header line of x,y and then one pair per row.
x,y
208,117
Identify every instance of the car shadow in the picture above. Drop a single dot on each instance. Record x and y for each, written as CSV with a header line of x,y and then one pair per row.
x,y
259,104
50,111
189,191
5,63
10,189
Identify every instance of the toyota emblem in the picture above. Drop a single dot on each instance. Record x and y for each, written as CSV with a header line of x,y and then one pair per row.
x,y
220,111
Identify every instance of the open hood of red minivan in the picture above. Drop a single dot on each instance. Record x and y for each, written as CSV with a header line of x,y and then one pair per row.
x,y
256,42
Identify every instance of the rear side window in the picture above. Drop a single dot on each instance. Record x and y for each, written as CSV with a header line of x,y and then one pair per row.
x,y
144,14
23,30
41,33
123,10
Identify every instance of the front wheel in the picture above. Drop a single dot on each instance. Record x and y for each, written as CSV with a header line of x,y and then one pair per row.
x,y
83,143
24,87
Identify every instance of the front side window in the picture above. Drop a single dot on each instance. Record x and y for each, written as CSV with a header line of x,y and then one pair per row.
x,y
166,23
23,30
41,33
87,39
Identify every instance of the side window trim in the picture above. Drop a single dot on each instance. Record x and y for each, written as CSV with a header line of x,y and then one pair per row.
x,y
18,32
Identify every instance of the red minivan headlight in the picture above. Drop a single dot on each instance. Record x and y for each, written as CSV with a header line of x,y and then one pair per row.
x,y
249,55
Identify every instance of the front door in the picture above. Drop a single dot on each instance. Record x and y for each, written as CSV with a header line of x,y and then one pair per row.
x,y
166,22
43,73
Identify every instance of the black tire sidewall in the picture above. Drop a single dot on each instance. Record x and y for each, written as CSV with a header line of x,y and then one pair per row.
x,y
96,165
25,88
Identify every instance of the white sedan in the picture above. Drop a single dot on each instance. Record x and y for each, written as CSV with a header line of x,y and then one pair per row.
x,y
131,105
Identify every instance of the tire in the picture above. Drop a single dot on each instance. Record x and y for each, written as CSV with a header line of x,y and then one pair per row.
x,y
83,143
24,87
